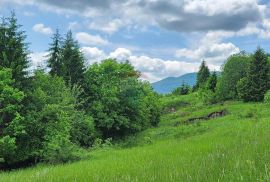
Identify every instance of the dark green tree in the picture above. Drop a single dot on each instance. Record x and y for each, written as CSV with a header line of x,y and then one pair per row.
x,y
14,50
202,76
256,83
55,63
212,82
73,61
184,89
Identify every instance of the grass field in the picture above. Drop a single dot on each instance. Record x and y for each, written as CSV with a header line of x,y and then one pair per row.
x,y
235,147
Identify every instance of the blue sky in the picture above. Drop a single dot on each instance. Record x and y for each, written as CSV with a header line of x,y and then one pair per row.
x,y
161,38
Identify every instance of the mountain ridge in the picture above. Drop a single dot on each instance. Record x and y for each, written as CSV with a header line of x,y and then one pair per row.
x,y
168,84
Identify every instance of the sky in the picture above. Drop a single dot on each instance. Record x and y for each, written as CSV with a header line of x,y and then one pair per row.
x,y
160,38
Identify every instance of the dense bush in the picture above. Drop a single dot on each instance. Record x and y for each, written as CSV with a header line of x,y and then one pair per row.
x,y
119,103
53,123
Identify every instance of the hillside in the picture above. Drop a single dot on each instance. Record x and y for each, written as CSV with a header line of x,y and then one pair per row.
x,y
232,147
167,85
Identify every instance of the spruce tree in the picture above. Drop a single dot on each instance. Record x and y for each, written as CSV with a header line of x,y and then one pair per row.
x,y
202,76
257,80
55,63
14,50
73,61
212,82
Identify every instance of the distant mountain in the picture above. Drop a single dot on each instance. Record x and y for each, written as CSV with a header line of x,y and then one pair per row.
x,y
167,85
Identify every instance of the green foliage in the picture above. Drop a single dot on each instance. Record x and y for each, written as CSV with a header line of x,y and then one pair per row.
x,y
230,148
256,83
13,50
212,82
11,122
233,70
207,96
202,75
54,126
242,88
184,89
267,97
119,103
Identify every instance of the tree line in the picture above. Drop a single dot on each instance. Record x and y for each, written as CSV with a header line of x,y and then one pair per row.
x,y
51,116
243,77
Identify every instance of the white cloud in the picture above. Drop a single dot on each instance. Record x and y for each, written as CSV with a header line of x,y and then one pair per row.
x,y
38,59
41,28
213,7
93,54
107,27
89,39
120,54
210,48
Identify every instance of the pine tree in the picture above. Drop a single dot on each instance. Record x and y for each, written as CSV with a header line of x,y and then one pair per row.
x,y
73,61
55,63
212,82
257,80
14,50
202,76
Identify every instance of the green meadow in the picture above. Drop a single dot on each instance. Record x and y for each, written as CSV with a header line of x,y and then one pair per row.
x,y
234,147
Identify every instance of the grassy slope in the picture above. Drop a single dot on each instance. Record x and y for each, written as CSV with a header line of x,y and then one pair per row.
x,y
231,148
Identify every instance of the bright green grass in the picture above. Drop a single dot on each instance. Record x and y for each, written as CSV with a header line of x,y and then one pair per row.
x,y
232,148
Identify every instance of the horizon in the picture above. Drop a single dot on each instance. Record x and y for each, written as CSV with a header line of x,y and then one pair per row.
x,y
175,43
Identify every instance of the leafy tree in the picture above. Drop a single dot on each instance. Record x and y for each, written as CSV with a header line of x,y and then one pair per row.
x,y
233,70
11,121
202,75
119,103
256,83
73,61
14,50
55,63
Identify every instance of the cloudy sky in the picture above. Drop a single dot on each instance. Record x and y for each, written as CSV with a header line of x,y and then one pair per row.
x,y
161,38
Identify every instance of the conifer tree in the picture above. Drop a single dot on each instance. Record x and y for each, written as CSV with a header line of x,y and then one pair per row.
x,y
73,61
212,82
14,50
257,80
55,63
202,76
